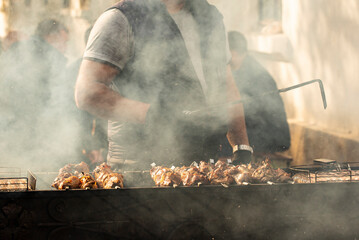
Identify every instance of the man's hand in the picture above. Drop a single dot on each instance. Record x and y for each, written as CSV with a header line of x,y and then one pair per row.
x,y
241,157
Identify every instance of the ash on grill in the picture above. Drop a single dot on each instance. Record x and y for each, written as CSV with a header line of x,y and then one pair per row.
x,y
219,173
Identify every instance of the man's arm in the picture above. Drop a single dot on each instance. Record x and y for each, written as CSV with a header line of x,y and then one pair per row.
x,y
93,94
237,133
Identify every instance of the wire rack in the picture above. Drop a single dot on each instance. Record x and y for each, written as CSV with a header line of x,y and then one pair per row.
x,y
333,172
11,179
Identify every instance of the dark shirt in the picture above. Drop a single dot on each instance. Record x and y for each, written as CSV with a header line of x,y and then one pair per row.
x,y
265,116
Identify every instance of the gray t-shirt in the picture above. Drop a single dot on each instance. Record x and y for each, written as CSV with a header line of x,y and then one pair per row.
x,y
188,28
111,39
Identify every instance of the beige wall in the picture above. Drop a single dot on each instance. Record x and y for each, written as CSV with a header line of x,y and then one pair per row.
x,y
325,37
324,43
240,15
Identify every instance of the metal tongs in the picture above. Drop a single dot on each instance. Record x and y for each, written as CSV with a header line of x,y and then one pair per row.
x,y
220,106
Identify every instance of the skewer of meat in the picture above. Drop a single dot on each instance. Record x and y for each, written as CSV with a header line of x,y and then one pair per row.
x,y
69,176
191,176
87,181
106,178
220,174
163,176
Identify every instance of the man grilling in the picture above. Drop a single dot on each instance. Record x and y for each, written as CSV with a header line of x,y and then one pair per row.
x,y
146,64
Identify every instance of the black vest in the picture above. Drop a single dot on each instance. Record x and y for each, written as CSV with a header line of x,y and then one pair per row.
x,y
161,66
161,63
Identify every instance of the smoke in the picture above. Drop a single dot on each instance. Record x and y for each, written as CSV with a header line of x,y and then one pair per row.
x,y
38,121
40,126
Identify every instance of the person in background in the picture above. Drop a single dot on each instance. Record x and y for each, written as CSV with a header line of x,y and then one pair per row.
x,y
93,142
12,38
32,88
265,116
146,64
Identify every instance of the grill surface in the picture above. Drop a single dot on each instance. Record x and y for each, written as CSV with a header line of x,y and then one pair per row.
x,y
282,211
255,211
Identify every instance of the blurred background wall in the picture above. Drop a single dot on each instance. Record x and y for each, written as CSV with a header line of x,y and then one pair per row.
x,y
300,40
296,40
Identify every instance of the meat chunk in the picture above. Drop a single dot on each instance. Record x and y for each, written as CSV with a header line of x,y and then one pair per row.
x,y
106,178
70,182
264,173
192,176
87,181
205,167
66,175
241,174
220,174
165,176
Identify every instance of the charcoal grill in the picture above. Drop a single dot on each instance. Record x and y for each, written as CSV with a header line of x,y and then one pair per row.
x,y
254,211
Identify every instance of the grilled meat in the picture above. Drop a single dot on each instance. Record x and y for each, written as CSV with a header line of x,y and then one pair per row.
x,y
78,176
70,182
165,176
191,176
220,174
106,178
264,173
241,173
70,170
87,181
205,167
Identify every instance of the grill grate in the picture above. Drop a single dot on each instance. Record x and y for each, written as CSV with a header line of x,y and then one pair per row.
x,y
11,180
332,172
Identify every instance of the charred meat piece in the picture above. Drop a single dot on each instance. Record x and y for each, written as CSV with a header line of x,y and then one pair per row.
x,y
75,169
264,173
106,178
61,177
113,180
101,172
70,182
192,176
241,174
70,170
221,174
163,176
87,181
205,167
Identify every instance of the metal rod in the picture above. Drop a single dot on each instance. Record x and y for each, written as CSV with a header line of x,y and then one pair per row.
x,y
321,87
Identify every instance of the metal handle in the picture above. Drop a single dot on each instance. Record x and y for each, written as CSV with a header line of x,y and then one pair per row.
x,y
321,87
217,106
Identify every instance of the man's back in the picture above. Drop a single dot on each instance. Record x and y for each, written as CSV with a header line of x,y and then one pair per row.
x,y
265,115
